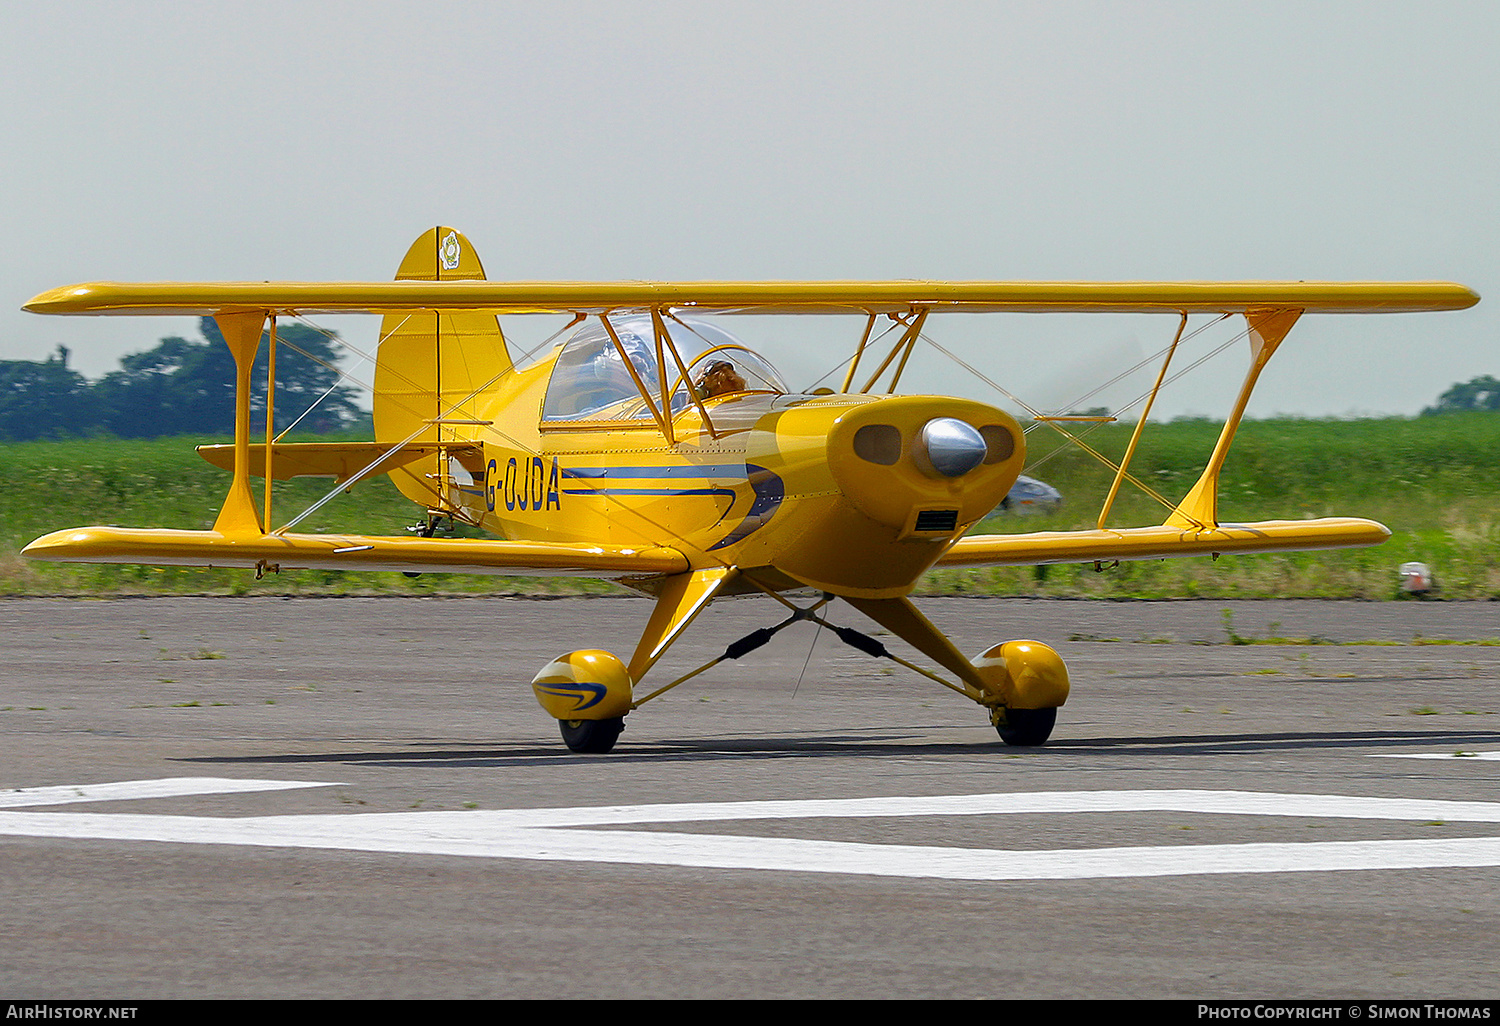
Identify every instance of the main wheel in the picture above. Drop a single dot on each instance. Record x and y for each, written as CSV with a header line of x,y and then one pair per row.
x,y
592,737
1027,727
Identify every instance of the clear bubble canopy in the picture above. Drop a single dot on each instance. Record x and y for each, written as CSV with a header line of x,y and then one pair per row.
x,y
593,381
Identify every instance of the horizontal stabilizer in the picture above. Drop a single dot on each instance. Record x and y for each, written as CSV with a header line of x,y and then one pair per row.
x,y
1162,542
340,460
352,552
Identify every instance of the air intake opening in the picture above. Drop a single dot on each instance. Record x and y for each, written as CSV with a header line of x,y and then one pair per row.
x,y
878,443
999,443
937,520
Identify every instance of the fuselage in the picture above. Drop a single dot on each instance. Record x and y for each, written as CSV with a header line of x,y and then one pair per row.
x,y
838,492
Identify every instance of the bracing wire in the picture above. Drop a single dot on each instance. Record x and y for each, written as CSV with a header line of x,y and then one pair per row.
x,y
365,471
658,528
1080,439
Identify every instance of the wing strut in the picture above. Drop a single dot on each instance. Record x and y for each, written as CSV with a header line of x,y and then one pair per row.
x,y
270,418
664,339
1140,425
858,353
682,598
241,332
1200,508
662,422
660,412
904,346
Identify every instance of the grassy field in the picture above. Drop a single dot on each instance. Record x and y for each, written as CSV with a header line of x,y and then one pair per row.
x,y
1435,481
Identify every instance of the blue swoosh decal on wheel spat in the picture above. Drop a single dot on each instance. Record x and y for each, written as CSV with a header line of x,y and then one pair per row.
x,y
584,693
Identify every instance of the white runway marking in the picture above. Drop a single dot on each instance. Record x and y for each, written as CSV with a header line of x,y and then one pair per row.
x,y
1476,756
553,834
173,787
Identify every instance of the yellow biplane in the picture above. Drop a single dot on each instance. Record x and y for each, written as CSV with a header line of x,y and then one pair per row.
x,y
651,447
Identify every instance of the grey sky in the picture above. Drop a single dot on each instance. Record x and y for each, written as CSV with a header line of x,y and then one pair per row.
x,y
1331,140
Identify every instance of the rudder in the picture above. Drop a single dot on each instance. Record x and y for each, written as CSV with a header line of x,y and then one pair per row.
x,y
431,362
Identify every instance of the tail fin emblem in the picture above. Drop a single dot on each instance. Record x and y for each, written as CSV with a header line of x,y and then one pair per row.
x,y
450,251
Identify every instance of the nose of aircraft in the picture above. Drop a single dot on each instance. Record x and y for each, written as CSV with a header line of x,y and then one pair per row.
x,y
927,466
886,484
950,446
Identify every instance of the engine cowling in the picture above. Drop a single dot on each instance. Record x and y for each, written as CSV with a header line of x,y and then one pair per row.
x,y
908,475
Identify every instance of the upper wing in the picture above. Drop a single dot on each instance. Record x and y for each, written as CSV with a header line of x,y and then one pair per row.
x,y
209,298
351,552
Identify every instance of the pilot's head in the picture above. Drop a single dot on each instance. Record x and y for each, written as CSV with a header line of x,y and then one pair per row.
x,y
720,379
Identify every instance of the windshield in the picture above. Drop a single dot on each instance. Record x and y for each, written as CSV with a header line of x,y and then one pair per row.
x,y
591,380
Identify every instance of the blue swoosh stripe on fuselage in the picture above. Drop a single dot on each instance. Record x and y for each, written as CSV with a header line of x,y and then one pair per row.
x,y
649,491
735,471
738,474
769,491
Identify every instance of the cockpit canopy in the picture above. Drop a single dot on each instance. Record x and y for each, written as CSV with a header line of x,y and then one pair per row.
x,y
591,381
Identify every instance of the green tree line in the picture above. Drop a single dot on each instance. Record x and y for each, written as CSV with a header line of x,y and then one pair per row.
x,y
1481,393
182,387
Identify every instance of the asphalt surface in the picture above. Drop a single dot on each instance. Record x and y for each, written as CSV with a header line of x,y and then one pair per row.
x,y
1210,820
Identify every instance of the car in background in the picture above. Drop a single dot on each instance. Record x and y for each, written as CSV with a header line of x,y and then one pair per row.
x,y
1028,495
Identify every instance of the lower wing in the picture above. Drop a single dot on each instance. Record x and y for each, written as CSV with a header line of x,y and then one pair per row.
x,y
351,552
1162,542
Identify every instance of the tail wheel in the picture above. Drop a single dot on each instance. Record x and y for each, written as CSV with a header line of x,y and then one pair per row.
x,y
1026,728
592,737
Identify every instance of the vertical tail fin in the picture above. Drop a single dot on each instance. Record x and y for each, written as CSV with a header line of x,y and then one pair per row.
x,y
430,362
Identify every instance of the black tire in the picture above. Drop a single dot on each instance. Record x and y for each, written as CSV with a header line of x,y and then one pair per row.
x,y
591,737
1026,728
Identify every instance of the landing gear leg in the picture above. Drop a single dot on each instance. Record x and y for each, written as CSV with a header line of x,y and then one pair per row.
x,y
1022,682
589,692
